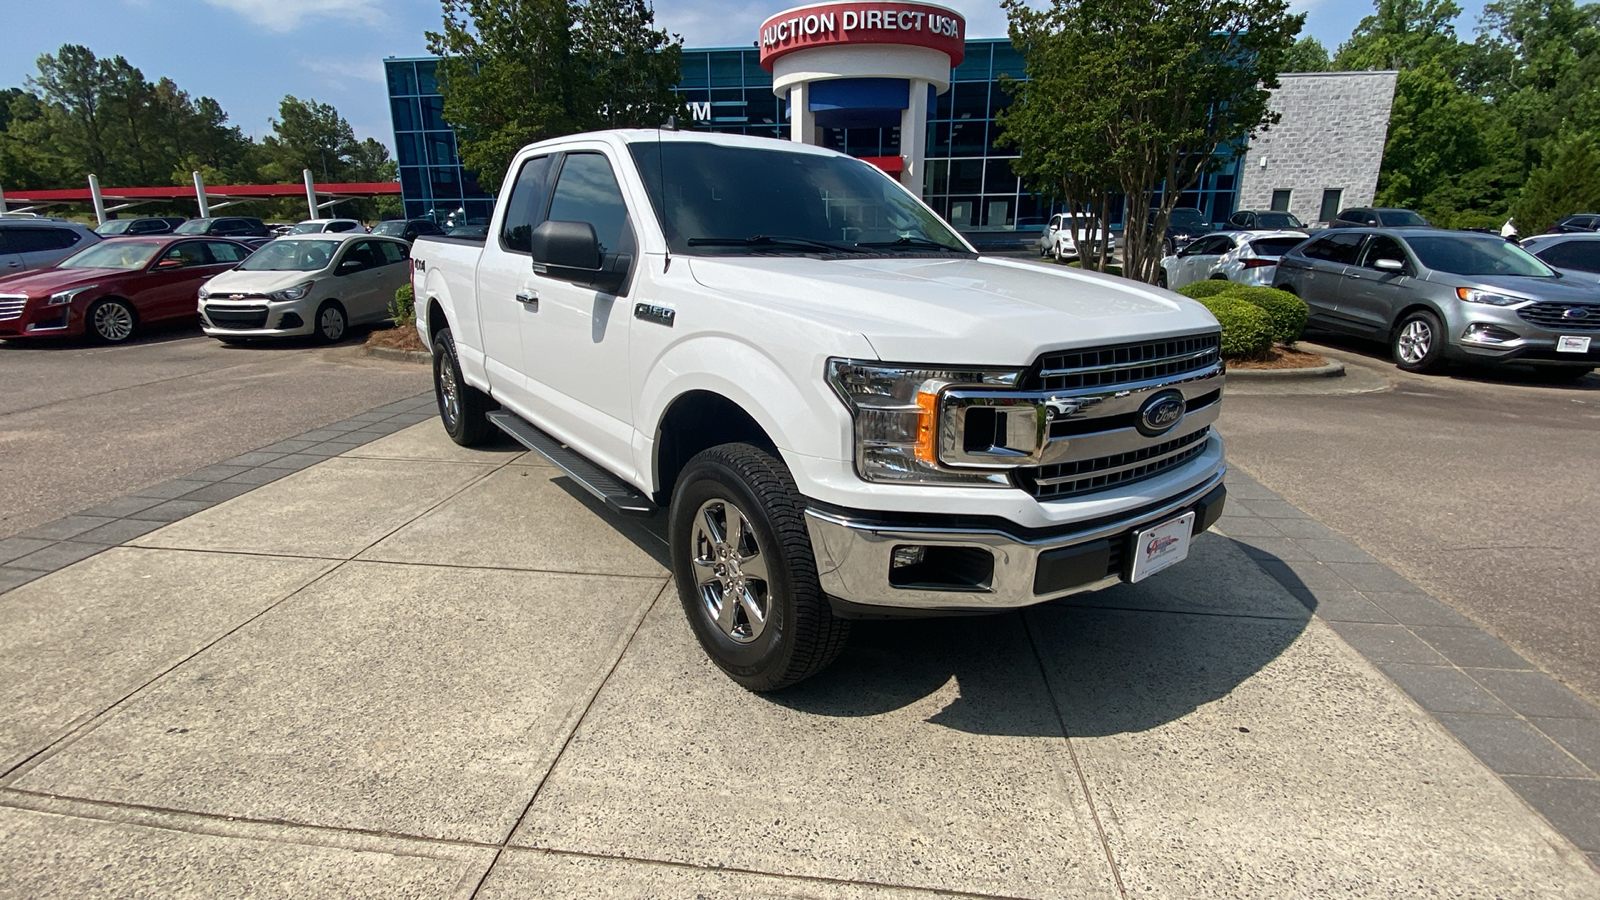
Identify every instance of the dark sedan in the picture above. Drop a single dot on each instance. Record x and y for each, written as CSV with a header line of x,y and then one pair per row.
x,y
111,289
1438,295
1576,224
407,230
225,226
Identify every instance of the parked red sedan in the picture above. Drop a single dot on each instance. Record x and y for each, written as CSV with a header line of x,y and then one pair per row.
x,y
112,288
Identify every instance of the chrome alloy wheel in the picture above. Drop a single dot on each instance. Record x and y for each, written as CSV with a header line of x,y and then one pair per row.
x,y
731,571
331,322
1416,339
113,321
449,392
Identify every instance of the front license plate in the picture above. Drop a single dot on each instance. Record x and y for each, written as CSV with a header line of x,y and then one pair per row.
x,y
1161,546
1569,343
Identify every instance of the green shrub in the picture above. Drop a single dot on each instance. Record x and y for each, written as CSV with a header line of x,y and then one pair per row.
x,y
1287,311
1246,328
1200,290
403,308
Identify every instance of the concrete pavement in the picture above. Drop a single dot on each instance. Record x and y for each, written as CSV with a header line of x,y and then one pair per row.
x,y
412,670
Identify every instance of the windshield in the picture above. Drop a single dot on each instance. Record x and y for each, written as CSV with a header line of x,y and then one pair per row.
x,y
1188,218
306,228
1278,220
285,255
743,200
393,228
1462,255
1401,218
115,226
193,226
128,254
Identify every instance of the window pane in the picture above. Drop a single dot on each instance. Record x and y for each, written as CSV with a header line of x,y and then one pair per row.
x,y
525,204
1280,201
392,253
441,149
1330,205
225,253
727,69
1581,255
406,115
998,177
694,71
408,149
1336,248
427,80
966,176
975,67
971,100
411,182
969,138
402,77
587,191
433,114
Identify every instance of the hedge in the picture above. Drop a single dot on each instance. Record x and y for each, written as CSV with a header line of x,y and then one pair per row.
x,y
1200,290
1246,328
1288,312
403,309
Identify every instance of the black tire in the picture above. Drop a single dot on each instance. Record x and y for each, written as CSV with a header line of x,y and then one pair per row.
x,y
1418,342
111,321
1169,248
461,406
1161,277
332,322
797,634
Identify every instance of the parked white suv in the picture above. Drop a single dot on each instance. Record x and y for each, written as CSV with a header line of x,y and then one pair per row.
x,y
1058,241
327,226
843,410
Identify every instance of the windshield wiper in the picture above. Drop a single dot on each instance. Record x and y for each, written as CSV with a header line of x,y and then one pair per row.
x,y
911,243
773,240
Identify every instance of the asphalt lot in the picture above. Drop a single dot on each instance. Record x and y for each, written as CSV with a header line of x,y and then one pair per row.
x,y
82,424
1478,485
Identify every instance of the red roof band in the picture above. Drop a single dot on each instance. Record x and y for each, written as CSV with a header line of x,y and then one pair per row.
x,y
864,22
186,192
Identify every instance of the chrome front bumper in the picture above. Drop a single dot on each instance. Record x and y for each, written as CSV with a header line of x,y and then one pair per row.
x,y
855,557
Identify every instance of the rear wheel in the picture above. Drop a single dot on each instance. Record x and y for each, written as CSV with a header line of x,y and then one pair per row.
x,y
1161,277
741,557
461,406
112,320
1418,342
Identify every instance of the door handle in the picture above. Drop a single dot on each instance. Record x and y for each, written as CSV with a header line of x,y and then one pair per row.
x,y
529,299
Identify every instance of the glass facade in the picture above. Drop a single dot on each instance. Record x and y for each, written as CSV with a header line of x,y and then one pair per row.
x,y
966,179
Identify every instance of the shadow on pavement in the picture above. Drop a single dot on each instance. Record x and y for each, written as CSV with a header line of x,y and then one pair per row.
x,y
1378,352
156,333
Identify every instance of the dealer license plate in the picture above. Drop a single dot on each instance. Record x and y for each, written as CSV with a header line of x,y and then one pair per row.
x,y
1161,546
1569,343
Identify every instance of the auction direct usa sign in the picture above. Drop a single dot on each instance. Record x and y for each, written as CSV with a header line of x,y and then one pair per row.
x,y
835,24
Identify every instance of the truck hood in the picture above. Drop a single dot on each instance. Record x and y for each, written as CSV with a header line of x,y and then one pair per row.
x,y
264,281
984,311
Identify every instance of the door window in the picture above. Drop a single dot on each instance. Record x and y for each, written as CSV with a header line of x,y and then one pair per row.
x,y
1335,248
38,240
189,253
1240,220
1209,246
223,253
525,208
1383,247
1581,255
587,191
390,253
363,254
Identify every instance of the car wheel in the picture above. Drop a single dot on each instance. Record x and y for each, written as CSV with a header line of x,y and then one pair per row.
x,y
461,406
1161,278
1418,342
112,321
1168,248
741,557
331,322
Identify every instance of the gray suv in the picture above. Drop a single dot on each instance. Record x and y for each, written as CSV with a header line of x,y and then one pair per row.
x,y
1441,295
39,243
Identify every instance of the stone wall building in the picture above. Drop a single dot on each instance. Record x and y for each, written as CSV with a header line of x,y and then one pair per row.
x,y
1325,154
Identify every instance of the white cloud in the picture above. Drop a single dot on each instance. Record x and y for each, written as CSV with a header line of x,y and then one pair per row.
x,y
288,15
340,72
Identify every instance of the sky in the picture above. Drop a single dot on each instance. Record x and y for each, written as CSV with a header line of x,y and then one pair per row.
x,y
249,53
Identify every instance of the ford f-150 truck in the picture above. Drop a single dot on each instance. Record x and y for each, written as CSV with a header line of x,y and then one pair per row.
x,y
842,409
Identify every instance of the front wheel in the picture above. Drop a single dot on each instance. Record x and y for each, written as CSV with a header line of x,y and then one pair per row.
x,y
1418,342
741,557
112,321
462,407
331,322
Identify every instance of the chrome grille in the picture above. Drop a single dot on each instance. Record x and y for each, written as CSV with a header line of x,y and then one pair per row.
x,y
1089,475
11,305
1553,316
237,316
1128,363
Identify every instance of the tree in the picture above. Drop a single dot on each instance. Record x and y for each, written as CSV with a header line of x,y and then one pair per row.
x,y
1402,34
517,71
1568,183
1169,83
1307,55
311,135
1446,150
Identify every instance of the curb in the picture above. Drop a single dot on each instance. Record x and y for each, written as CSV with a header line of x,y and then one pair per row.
x,y
1334,369
410,356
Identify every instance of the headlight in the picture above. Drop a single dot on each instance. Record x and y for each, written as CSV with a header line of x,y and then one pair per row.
x,y
896,411
293,293
1473,295
204,294
65,297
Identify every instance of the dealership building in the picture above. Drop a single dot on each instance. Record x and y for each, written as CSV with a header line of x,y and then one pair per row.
x,y
860,76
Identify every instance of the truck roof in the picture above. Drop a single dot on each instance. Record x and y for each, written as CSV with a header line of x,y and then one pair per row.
x,y
652,135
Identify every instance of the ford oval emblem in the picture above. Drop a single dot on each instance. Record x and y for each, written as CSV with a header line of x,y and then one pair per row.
x,y
1575,312
1160,413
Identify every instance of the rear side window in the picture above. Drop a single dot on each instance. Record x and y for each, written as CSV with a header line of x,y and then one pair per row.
x,y
1581,255
38,240
223,252
1274,246
391,253
525,209
1335,248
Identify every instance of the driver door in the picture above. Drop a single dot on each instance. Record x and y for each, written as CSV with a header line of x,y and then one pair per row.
x,y
575,338
170,285
1371,297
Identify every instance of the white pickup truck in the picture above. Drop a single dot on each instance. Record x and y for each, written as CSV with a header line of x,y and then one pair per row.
x,y
844,411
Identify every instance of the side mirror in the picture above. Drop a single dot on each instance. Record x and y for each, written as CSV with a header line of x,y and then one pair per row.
x,y
349,265
1389,265
170,264
569,251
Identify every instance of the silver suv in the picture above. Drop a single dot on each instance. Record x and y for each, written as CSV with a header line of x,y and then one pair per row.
x,y
39,243
1441,295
